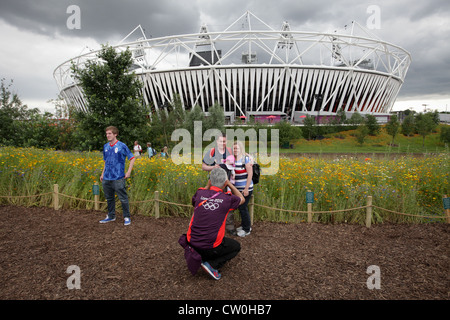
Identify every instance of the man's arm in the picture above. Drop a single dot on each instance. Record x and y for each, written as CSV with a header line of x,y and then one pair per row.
x,y
206,167
130,168
101,177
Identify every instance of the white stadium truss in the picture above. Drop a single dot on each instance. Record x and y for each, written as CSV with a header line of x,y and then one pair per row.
x,y
252,69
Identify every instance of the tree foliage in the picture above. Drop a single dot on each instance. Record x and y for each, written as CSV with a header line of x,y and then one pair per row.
x,y
425,123
445,134
287,132
392,127
407,128
14,116
372,125
113,96
309,130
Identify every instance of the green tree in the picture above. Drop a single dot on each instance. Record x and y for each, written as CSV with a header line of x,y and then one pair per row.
x,y
165,120
287,132
392,127
424,124
309,130
196,114
216,118
356,118
65,124
372,125
113,96
342,118
407,128
361,134
445,134
13,116
177,114
41,131
160,127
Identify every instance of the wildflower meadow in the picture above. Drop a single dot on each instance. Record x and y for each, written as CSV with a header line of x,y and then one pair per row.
x,y
405,184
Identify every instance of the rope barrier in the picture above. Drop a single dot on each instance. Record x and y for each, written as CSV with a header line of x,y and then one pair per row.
x,y
296,211
34,195
407,214
255,204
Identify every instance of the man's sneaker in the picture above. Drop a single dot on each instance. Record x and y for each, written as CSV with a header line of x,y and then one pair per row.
x,y
212,272
107,219
243,233
126,221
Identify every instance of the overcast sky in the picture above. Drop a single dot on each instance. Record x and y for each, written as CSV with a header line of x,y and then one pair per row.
x,y
35,37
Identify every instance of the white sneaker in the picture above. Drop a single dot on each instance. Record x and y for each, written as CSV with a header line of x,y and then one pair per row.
x,y
126,222
242,233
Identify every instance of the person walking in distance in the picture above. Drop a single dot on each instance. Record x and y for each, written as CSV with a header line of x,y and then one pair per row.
x,y
113,175
137,149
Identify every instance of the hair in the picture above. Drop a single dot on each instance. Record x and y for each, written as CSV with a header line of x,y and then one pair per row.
x,y
112,129
221,134
241,149
218,177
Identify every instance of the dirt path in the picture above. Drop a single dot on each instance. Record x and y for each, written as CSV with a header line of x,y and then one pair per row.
x,y
277,261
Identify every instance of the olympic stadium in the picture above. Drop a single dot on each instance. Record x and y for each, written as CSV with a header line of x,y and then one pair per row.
x,y
254,70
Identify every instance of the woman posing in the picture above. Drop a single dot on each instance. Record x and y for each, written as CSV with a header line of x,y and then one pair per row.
x,y
243,182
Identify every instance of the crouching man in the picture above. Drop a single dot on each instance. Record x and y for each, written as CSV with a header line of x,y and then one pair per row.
x,y
207,227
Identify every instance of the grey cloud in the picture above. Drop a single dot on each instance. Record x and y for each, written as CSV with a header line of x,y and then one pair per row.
x,y
409,24
102,19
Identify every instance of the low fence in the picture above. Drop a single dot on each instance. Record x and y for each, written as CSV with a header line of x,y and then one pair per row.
x,y
309,200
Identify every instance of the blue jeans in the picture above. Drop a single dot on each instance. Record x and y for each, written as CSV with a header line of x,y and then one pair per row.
x,y
110,188
245,214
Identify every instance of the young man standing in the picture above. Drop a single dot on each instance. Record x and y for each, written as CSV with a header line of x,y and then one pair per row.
x,y
207,227
113,175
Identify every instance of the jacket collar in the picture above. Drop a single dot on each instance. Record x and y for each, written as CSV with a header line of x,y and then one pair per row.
x,y
215,189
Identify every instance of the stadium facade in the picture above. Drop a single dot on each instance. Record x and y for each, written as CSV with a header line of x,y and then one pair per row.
x,y
251,69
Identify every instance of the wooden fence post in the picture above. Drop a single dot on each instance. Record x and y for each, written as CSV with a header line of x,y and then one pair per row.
x,y
96,196
446,207
369,212
157,204
251,206
55,197
309,204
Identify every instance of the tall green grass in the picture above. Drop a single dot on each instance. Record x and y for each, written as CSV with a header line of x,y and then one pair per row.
x,y
403,184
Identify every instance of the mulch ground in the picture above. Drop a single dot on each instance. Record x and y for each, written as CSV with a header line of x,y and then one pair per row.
x,y
277,261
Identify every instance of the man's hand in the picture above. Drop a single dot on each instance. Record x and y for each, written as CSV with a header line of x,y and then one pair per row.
x,y
205,167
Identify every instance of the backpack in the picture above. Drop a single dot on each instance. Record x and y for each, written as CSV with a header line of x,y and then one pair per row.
x,y
256,173
212,152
